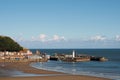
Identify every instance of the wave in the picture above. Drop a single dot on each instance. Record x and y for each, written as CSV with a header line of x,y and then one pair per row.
x,y
74,71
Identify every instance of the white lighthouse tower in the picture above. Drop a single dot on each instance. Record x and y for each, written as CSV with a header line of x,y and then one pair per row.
x,y
73,54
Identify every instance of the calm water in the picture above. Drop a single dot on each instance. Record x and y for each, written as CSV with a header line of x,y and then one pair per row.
x,y
109,69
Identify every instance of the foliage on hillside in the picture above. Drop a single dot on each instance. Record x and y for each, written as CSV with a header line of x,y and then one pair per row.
x,y
8,44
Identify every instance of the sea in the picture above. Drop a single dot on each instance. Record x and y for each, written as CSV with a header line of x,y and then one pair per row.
x,y
108,69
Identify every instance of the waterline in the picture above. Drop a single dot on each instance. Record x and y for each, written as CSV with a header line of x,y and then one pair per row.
x,y
72,68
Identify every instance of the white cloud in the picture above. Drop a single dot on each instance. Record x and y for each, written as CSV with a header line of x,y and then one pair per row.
x,y
63,38
47,41
33,38
98,38
58,38
42,37
117,37
46,38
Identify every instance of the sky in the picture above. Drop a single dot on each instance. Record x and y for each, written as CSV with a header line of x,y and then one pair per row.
x,y
61,23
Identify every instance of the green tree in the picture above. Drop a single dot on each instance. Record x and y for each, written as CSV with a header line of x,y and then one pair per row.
x,y
8,44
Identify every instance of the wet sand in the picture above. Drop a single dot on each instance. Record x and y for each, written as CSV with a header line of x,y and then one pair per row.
x,y
26,68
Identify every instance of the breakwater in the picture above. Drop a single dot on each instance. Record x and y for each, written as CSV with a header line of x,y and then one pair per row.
x,y
76,58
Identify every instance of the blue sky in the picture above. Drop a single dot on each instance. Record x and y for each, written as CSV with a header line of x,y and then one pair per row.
x,y
61,23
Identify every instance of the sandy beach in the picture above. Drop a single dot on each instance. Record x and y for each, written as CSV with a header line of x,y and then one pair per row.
x,y
26,68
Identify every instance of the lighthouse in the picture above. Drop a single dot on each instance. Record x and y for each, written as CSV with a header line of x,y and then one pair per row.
x,y
73,54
